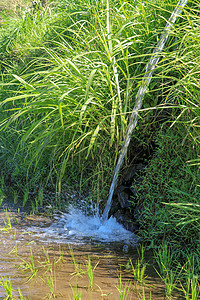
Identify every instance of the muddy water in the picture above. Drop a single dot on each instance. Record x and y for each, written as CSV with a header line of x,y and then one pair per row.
x,y
53,272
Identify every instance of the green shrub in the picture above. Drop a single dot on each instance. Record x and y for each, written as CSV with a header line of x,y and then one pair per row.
x,y
170,179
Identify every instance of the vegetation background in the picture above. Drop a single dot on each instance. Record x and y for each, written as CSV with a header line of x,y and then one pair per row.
x,y
69,76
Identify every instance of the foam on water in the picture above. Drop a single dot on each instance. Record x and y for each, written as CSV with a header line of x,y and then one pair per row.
x,y
77,227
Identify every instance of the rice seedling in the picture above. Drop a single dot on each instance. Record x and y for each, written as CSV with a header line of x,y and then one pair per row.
x,y
14,250
169,275
20,295
170,280
90,272
164,258
60,259
76,294
51,282
143,295
103,295
7,223
138,270
6,284
29,266
46,263
190,277
78,271
124,290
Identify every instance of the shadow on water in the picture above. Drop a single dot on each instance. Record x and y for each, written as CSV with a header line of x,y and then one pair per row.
x,y
41,266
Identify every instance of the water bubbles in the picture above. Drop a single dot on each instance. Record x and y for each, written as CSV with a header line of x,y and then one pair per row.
x,y
77,226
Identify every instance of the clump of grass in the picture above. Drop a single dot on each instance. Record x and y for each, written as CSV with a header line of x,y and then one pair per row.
x,y
78,271
14,250
46,263
76,294
7,223
60,259
29,266
90,272
51,282
143,295
13,5
6,284
26,196
138,269
191,288
124,290
170,276
170,203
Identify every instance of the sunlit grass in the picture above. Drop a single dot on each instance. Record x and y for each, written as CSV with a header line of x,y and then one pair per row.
x,y
51,282
77,97
76,294
7,223
6,283
90,272
123,289
78,270
29,266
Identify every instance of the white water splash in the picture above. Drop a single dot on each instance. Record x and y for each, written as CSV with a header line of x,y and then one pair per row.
x,y
77,227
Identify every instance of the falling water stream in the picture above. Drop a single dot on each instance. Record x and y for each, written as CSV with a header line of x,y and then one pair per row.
x,y
77,227
146,80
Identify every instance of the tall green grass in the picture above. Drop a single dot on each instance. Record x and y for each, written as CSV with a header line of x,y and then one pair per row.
x,y
69,79
71,101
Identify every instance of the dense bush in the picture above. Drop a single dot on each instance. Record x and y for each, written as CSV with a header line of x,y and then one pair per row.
x,y
170,179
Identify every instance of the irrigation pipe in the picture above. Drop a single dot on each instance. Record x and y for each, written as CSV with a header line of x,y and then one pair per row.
x,y
139,97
